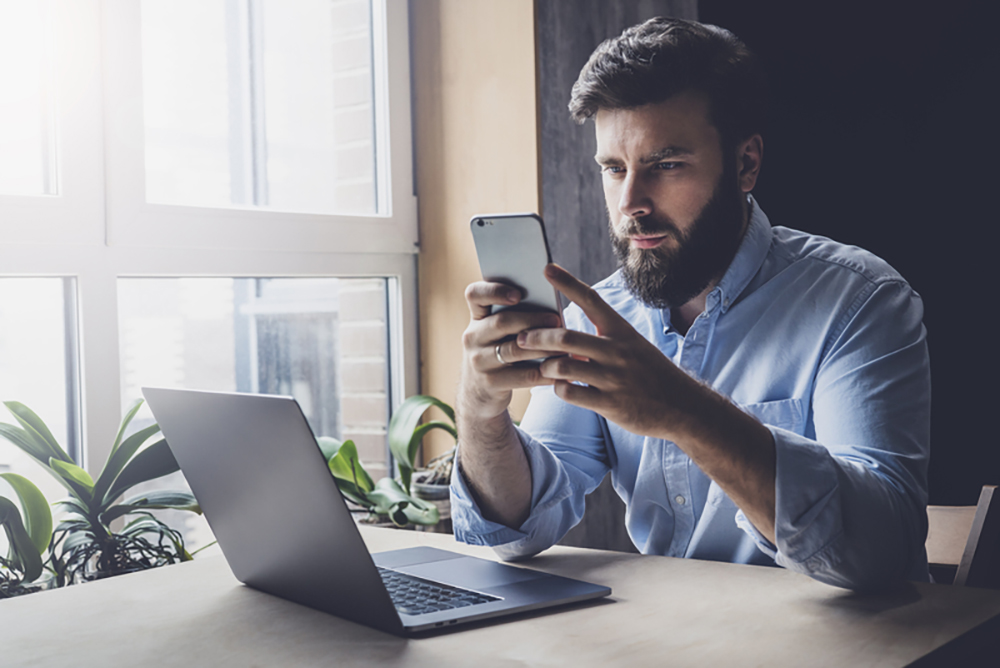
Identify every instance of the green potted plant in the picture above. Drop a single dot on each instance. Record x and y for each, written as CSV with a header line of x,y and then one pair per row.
x,y
418,496
27,537
83,545
385,499
406,433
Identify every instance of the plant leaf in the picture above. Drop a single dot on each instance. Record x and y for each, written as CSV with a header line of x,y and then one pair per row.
x,y
346,466
328,446
26,442
433,424
37,514
144,523
351,491
129,414
74,523
162,499
76,479
159,500
203,547
403,442
33,445
392,492
74,505
22,550
121,455
397,513
390,499
424,516
36,427
153,462
406,473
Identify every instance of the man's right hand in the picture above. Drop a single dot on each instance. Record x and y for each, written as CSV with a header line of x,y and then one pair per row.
x,y
490,350
491,458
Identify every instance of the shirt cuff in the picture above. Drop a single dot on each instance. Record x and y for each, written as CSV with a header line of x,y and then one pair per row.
x,y
550,486
763,544
807,514
468,522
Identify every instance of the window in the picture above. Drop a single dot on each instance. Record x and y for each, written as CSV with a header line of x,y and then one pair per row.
x,y
268,140
321,340
213,194
38,364
27,128
261,103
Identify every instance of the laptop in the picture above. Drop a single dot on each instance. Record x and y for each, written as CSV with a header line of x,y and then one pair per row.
x,y
253,464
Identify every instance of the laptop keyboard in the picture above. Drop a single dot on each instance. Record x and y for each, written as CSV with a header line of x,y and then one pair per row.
x,y
416,596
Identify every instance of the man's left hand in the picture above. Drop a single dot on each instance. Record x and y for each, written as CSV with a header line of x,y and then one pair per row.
x,y
628,380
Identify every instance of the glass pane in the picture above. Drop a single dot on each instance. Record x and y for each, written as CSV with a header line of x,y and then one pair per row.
x,y
322,340
27,99
265,103
37,328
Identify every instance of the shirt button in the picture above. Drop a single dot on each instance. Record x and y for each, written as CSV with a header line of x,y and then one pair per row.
x,y
680,500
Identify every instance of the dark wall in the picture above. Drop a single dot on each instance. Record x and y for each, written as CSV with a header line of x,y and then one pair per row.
x,y
573,208
568,31
884,134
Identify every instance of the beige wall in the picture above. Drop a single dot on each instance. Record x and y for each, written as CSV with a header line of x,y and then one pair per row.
x,y
476,152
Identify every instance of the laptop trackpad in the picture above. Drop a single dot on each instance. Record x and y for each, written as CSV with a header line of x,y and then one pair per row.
x,y
471,573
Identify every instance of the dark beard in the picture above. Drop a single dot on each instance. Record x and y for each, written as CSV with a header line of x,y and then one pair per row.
x,y
671,277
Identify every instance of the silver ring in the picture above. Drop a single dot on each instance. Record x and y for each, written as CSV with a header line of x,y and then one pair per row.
x,y
499,356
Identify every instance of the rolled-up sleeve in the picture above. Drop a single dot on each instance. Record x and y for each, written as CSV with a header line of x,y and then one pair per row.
x,y
569,466
850,505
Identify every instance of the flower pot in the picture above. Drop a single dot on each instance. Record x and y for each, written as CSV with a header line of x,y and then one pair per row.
x,y
438,495
22,589
380,521
92,575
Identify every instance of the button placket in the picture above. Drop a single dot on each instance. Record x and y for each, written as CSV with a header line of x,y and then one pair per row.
x,y
693,355
675,478
694,349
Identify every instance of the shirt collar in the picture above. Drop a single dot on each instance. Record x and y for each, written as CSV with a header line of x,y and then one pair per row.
x,y
748,260
749,257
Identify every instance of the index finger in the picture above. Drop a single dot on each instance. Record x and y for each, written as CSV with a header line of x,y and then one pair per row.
x,y
605,318
482,295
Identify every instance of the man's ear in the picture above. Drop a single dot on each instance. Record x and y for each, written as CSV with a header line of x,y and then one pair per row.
x,y
749,155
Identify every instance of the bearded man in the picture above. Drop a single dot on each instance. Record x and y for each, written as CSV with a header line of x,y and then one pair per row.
x,y
760,395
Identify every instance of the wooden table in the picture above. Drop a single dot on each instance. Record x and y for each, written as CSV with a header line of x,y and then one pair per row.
x,y
663,612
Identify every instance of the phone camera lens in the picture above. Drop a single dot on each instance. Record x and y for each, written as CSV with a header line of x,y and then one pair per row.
x,y
480,223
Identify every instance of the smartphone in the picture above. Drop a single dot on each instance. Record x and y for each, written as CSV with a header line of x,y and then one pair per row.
x,y
512,249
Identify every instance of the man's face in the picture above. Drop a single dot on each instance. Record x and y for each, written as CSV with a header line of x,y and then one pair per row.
x,y
674,206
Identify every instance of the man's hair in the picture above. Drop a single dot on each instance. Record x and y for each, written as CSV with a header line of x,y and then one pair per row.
x,y
655,60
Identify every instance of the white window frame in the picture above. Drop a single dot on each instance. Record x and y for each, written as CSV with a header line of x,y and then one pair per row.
x,y
99,227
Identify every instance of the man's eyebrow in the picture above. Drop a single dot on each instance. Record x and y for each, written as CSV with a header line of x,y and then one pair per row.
x,y
665,154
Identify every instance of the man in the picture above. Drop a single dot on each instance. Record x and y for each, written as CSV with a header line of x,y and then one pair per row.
x,y
760,395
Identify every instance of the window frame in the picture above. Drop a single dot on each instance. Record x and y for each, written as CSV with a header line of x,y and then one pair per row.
x,y
99,228
133,221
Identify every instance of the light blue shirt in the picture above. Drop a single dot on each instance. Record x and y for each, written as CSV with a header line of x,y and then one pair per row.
x,y
823,343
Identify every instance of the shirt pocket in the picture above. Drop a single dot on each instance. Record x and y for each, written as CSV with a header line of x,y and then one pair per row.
x,y
788,414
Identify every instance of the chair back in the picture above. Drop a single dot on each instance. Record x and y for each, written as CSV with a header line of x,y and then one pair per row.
x,y
967,538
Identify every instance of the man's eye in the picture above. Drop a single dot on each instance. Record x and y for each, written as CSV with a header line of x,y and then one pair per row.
x,y
613,169
667,166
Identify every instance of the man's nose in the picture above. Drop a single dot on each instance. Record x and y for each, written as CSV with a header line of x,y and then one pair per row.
x,y
634,201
